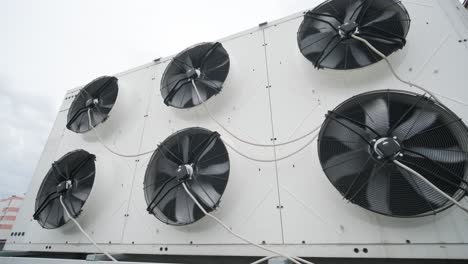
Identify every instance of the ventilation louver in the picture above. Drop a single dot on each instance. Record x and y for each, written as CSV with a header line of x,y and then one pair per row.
x,y
207,64
324,36
98,97
194,156
361,137
71,177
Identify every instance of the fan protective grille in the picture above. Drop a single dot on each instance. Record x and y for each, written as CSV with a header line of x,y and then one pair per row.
x,y
361,137
324,36
196,157
206,63
98,97
71,177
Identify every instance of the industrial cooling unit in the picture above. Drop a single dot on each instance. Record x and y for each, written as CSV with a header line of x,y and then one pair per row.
x,y
296,134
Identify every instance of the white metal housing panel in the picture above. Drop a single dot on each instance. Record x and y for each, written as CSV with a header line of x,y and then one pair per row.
x,y
272,91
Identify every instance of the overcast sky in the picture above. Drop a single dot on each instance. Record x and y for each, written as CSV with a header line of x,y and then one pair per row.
x,y
50,46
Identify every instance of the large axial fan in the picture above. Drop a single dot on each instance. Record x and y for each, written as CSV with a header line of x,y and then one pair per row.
x,y
207,64
71,177
362,137
97,98
196,157
325,39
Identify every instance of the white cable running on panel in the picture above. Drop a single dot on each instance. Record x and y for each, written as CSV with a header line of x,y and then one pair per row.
x,y
418,175
271,160
108,148
293,259
243,140
84,233
385,58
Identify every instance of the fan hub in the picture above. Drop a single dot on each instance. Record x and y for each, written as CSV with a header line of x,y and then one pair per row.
x,y
387,148
347,29
193,73
92,102
64,186
184,173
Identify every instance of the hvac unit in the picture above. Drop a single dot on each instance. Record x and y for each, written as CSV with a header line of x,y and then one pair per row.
x,y
242,149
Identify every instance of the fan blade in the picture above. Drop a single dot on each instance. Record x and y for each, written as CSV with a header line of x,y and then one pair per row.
x,y
361,54
348,163
379,111
354,9
310,44
184,206
388,16
49,212
167,203
335,56
183,97
448,155
205,193
166,166
173,80
204,149
418,122
207,69
214,169
82,192
85,177
185,148
202,92
378,192
216,86
423,189
346,132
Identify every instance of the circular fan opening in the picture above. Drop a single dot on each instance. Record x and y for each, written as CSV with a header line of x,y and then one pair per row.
x,y
324,36
98,97
207,64
71,177
360,139
196,157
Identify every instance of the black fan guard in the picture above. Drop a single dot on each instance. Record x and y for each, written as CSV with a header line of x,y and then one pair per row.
x,y
206,63
98,97
196,157
71,177
324,36
361,137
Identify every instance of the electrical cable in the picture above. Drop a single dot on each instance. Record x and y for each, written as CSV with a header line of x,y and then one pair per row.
x,y
243,140
385,58
108,148
271,160
293,259
262,260
415,173
86,234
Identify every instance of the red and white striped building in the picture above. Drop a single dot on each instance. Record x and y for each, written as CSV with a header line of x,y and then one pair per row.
x,y
9,208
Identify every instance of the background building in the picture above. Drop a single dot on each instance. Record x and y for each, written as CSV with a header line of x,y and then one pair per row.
x,y
9,208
